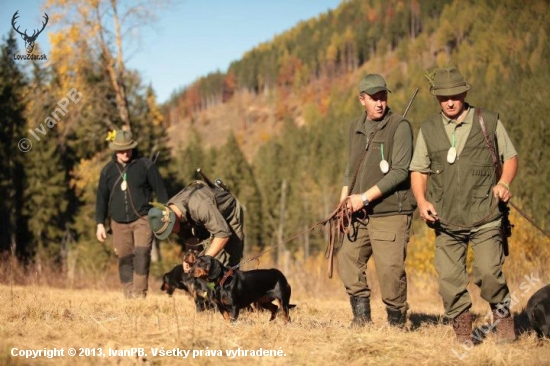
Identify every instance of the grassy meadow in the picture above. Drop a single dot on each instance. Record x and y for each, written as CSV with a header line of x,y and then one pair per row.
x,y
40,313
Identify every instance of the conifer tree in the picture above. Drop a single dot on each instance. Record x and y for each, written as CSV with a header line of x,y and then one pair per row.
x,y
148,129
268,165
14,141
190,158
46,190
237,174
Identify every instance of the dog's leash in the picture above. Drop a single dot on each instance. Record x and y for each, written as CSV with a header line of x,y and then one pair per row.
x,y
338,224
526,217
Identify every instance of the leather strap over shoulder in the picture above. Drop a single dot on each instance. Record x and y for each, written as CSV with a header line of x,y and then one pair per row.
x,y
490,145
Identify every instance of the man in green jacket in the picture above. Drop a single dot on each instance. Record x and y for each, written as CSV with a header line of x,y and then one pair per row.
x,y
458,192
378,188
212,216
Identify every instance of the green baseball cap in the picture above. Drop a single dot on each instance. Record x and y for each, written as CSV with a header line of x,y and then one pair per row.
x,y
161,221
448,82
372,84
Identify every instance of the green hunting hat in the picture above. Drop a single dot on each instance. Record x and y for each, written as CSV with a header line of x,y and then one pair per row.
x,y
448,81
161,221
372,84
121,140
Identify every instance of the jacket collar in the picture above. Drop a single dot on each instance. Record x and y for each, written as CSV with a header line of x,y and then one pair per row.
x,y
360,125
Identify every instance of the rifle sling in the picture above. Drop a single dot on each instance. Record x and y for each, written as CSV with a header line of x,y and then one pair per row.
x,y
496,161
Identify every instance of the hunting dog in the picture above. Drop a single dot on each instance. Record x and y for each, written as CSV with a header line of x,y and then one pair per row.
x,y
538,311
197,288
237,289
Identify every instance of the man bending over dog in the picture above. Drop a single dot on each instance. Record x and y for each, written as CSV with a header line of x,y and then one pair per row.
x,y
197,208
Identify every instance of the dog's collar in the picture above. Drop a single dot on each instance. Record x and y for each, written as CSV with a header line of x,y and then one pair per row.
x,y
226,276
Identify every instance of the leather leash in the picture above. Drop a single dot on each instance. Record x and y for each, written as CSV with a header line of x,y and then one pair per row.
x,y
338,226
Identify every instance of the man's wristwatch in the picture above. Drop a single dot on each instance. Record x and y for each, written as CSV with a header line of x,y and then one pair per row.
x,y
365,200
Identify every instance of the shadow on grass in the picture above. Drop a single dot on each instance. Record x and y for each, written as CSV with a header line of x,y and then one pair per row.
x,y
419,319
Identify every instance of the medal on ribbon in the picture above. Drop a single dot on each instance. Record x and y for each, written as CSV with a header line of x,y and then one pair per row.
x,y
384,165
451,154
124,184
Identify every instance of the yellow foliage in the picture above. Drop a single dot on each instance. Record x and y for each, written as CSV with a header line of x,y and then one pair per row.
x,y
154,111
421,252
529,249
85,176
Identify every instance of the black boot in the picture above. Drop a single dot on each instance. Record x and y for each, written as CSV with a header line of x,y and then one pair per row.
x,y
361,311
396,318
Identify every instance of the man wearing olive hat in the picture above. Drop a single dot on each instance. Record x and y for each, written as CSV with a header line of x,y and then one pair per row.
x,y
201,210
458,192
126,186
377,184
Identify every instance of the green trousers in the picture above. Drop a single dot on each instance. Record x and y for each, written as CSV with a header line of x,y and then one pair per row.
x,y
385,239
133,243
450,263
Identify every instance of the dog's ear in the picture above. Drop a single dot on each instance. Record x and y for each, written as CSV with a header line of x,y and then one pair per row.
x,y
215,269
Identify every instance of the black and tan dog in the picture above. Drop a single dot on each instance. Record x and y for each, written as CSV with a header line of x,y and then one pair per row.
x,y
538,311
237,289
197,288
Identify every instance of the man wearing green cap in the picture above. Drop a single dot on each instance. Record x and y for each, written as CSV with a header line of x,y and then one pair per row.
x,y
200,209
458,193
126,187
377,184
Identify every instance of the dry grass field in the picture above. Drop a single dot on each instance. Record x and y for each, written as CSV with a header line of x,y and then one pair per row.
x,y
43,315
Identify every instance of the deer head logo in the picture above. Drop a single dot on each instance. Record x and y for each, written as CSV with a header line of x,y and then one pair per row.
x,y
29,40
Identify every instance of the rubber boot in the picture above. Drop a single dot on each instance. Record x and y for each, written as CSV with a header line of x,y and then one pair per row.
x,y
360,307
396,318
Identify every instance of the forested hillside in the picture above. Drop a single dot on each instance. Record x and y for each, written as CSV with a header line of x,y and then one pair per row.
x,y
273,127
288,102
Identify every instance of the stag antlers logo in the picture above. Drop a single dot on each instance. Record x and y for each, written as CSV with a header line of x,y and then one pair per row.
x,y
29,40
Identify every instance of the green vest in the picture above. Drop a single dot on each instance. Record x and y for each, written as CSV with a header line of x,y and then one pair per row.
x,y
401,200
462,192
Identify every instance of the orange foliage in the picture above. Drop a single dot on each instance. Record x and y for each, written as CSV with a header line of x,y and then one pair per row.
x,y
291,66
372,15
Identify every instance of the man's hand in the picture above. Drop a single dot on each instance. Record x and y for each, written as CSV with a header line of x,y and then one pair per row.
x,y
501,192
427,212
356,202
100,233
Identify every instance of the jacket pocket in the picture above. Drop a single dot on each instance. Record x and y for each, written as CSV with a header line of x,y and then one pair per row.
x,y
482,201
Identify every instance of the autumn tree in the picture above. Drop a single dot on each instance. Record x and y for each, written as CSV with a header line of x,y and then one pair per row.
x,y
101,25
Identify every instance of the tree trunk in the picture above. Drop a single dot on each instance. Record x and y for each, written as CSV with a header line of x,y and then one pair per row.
x,y
116,70
280,230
